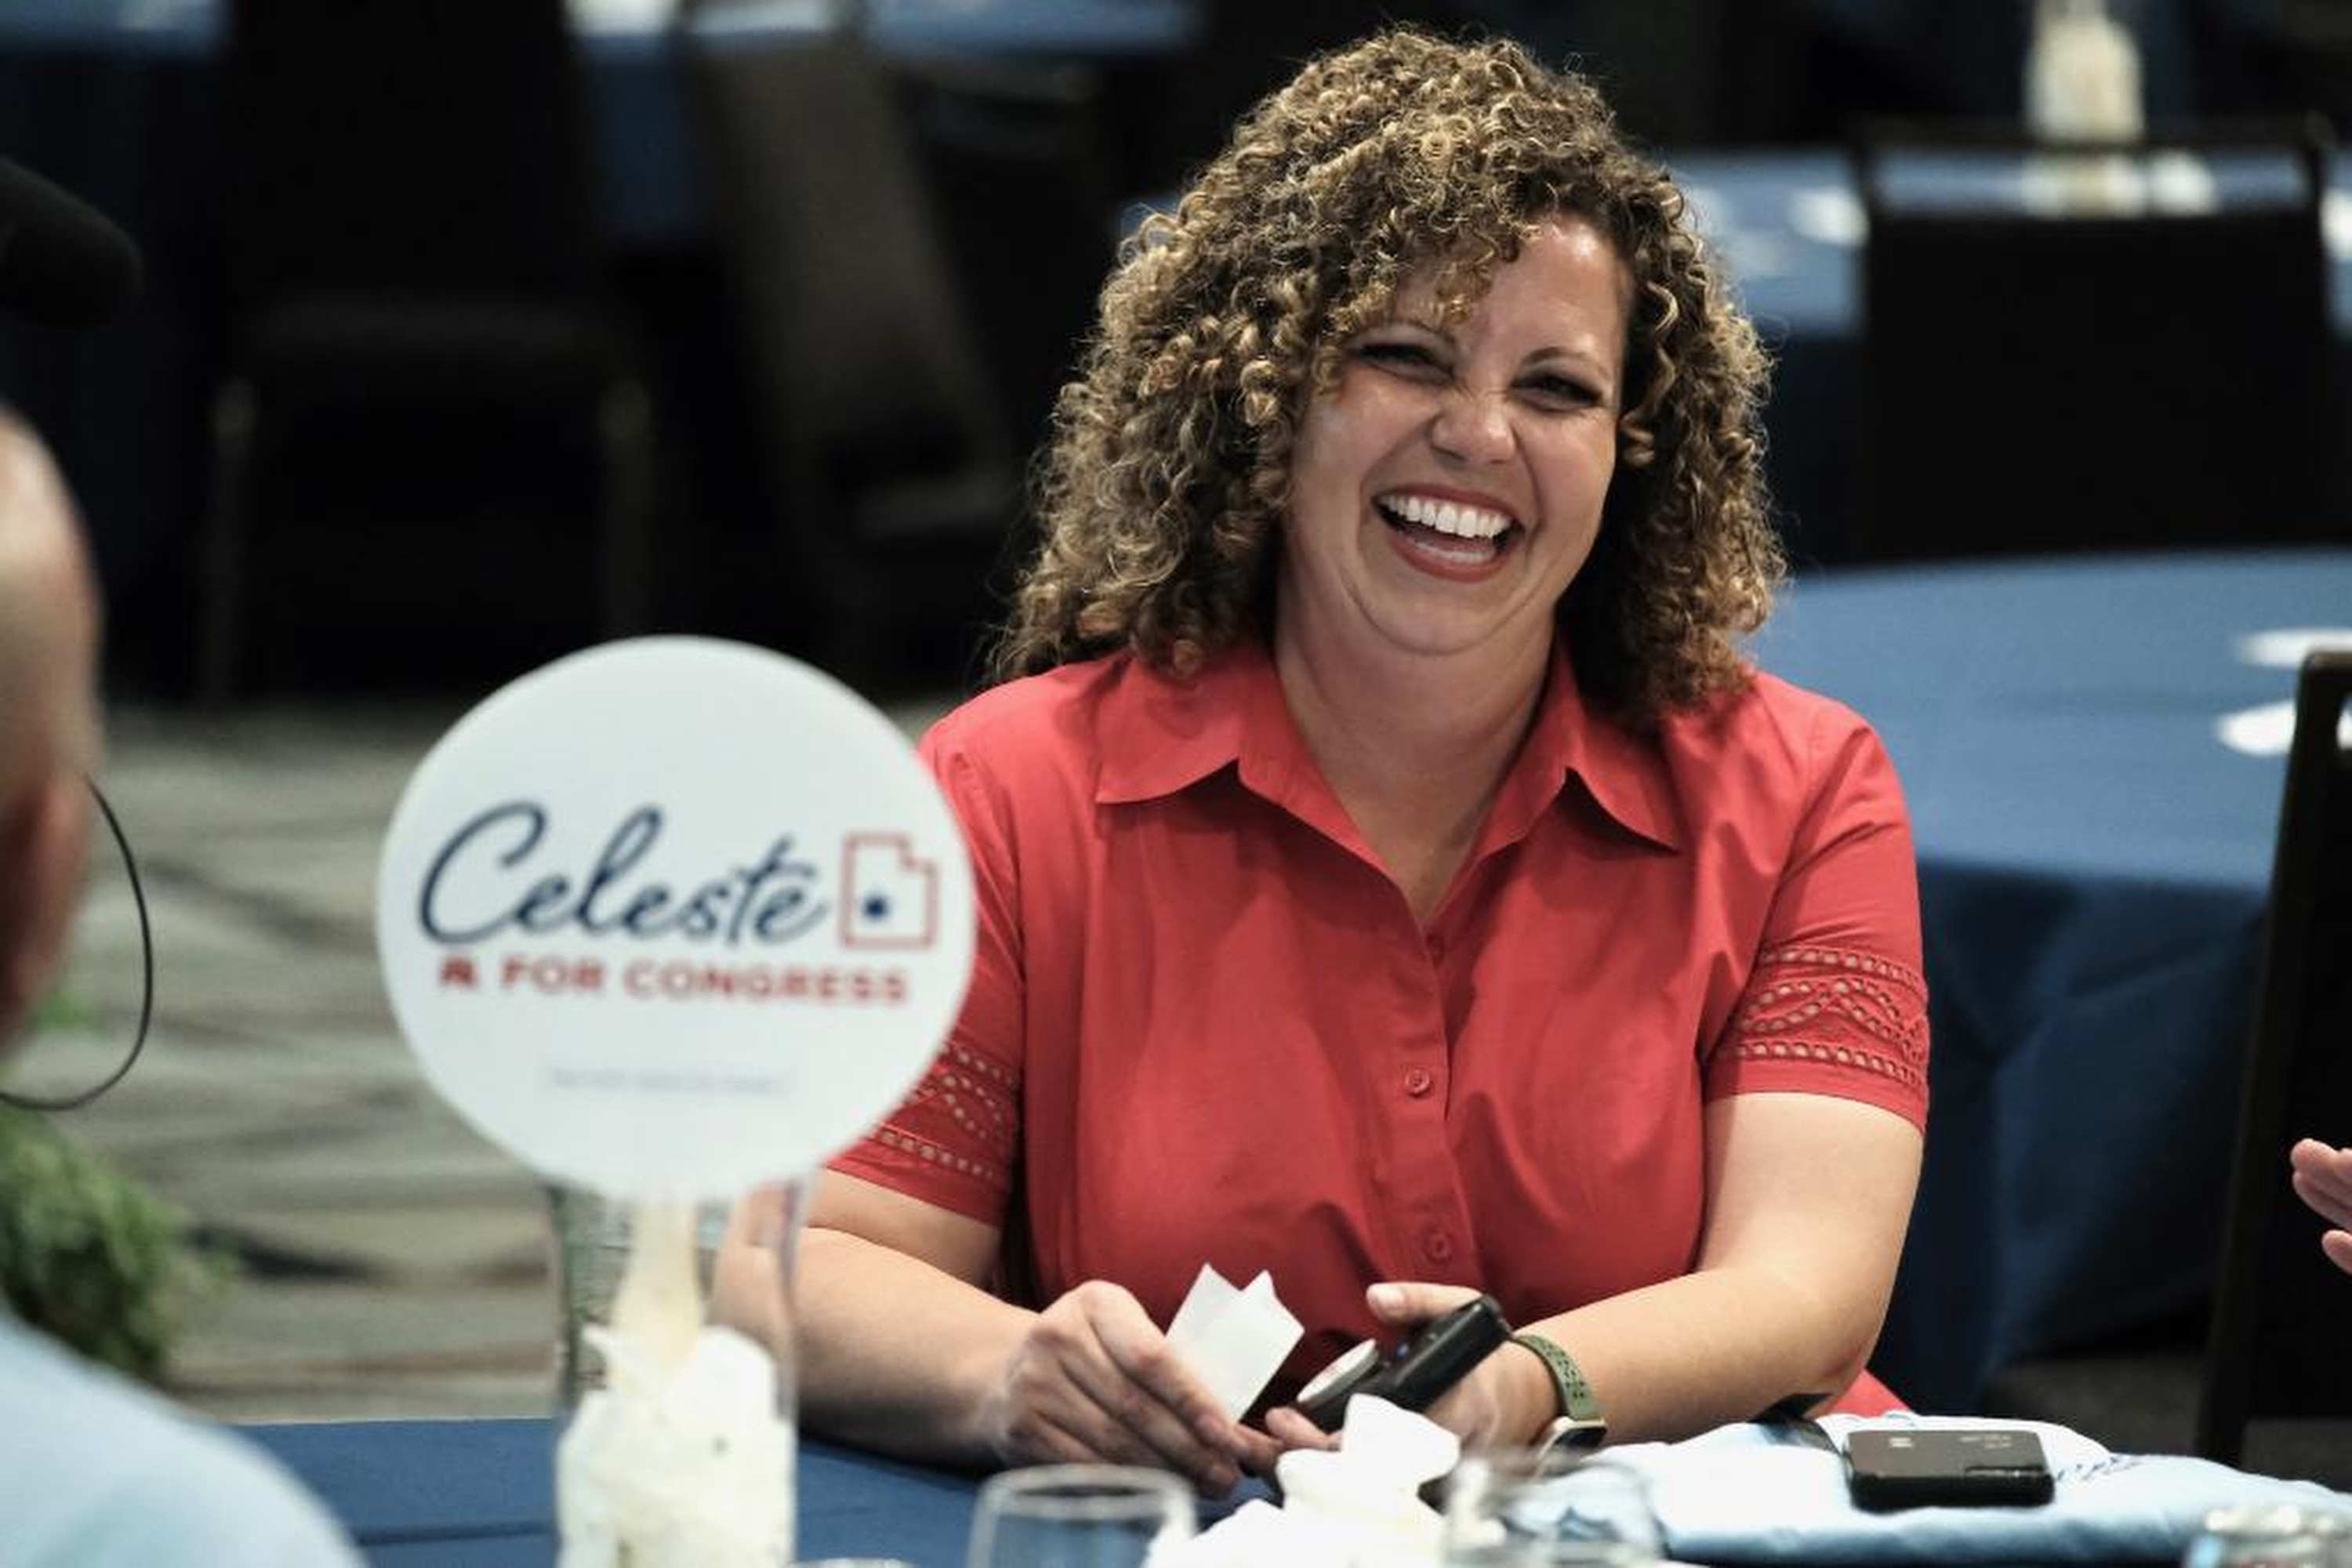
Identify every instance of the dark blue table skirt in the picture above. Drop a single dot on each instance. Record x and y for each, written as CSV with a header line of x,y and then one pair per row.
x,y
2094,866
482,1492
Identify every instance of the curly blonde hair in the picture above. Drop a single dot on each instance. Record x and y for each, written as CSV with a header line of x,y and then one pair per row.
x,y
1160,494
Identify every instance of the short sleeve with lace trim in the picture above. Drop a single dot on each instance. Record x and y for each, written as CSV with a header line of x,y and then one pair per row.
x,y
1834,1003
1830,1020
962,1125
954,1141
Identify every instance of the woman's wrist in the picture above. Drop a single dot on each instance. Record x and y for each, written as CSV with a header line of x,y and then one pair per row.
x,y
979,1385
1532,1400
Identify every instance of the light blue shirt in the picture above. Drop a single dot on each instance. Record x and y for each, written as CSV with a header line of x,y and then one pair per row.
x,y
95,1472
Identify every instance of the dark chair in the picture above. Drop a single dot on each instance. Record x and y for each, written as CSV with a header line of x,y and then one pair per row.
x,y
418,338
893,476
2041,380
2282,1339
1178,113
1017,158
2265,1382
2278,55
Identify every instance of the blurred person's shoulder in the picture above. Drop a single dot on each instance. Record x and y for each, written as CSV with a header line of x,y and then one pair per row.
x,y
96,1471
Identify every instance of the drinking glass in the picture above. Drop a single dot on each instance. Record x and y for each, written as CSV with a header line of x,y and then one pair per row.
x,y
1518,1510
2278,1535
1078,1516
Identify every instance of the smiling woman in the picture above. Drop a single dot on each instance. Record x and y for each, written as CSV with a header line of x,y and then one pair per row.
x,y
1407,163
1448,489
1391,874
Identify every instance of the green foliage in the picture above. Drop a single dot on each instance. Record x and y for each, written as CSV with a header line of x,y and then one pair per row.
x,y
61,1012
88,1256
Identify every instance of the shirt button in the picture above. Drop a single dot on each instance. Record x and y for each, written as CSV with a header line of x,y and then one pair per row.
x,y
1438,1246
1419,1082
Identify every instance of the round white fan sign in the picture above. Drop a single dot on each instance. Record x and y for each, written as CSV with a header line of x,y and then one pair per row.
x,y
673,917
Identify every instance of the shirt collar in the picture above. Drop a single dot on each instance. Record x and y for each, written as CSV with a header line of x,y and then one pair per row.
x,y
1622,771
1162,735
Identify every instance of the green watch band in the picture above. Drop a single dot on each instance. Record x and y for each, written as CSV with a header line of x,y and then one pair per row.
x,y
1580,1424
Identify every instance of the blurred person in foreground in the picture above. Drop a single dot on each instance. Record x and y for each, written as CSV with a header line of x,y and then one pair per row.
x,y
1390,873
94,1470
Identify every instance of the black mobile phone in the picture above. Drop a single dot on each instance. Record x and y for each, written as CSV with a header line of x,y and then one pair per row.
x,y
1413,1373
1889,1467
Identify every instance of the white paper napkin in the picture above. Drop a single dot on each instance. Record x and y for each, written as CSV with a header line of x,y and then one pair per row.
x,y
1233,1340
1359,1504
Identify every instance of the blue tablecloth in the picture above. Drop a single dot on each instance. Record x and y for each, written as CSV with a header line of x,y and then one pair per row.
x,y
1791,228
482,1493
2094,864
479,1493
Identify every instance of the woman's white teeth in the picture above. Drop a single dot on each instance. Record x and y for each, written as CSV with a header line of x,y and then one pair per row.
x,y
1447,517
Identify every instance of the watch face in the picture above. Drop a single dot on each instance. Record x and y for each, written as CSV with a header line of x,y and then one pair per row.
x,y
1567,1434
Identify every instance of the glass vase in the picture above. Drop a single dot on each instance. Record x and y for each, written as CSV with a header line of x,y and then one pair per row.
x,y
675,1382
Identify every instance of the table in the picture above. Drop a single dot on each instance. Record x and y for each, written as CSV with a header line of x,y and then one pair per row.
x,y
2094,865
482,1493
1790,227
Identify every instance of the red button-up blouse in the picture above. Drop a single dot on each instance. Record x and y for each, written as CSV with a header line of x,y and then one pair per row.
x,y
1204,1027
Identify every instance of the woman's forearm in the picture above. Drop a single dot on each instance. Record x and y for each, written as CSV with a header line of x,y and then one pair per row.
x,y
894,1354
1807,1199
1724,1344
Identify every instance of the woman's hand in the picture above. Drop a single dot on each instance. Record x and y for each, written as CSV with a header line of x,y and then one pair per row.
x,y
1093,1381
1505,1400
2323,1179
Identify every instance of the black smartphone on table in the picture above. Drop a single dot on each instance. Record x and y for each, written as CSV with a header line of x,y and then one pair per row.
x,y
1912,1466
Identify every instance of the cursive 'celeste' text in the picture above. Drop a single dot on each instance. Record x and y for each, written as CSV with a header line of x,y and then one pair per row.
x,y
772,900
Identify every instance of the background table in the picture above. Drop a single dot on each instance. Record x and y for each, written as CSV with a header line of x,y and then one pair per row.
x,y
2094,865
1790,227
482,1493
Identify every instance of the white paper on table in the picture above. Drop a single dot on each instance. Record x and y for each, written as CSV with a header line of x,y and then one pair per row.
x,y
1358,1504
1233,1340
